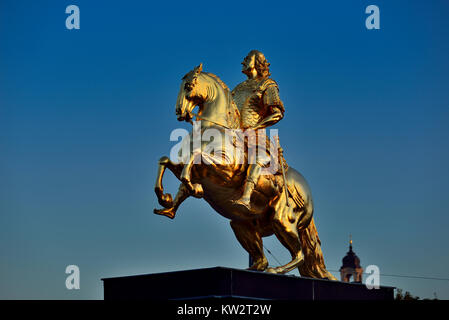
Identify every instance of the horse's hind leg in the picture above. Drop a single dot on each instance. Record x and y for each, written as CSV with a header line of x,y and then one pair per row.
x,y
287,234
251,240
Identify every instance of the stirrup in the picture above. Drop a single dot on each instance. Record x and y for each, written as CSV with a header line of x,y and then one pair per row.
x,y
241,203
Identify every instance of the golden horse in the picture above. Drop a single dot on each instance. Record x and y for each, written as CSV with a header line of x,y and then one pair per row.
x,y
288,216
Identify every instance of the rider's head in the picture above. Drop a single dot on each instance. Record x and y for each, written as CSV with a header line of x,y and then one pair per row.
x,y
256,65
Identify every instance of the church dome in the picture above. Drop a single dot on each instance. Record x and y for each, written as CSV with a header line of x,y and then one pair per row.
x,y
351,260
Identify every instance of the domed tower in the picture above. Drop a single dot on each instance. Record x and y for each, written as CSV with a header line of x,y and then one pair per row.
x,y
351,266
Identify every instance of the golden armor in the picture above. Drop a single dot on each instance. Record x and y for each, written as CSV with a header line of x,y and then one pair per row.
x,y
260,106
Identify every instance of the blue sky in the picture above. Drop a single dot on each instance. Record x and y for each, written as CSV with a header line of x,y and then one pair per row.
x,y
85,115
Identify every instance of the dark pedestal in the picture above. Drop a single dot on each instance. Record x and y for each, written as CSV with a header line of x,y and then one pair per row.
x,y
222,282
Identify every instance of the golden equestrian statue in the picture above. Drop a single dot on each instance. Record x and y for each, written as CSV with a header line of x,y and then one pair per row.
x,y
260,194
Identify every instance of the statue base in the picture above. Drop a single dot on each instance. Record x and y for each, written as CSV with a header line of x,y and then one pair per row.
x,y
220,282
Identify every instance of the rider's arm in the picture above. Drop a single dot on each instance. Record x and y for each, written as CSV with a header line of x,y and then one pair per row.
x,y
274,106
275,115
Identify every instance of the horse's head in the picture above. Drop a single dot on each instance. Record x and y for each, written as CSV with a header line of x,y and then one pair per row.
x,y
193,92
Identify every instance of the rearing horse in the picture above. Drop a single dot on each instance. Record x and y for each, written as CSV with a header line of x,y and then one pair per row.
x,y
220,183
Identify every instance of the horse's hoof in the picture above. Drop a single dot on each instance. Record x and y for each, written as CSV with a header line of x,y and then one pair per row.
x,y
170,213
272,270
188,185
197,190
259,266
166,200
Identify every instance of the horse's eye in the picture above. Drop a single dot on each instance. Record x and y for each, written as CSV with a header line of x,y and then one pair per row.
x,y
188,87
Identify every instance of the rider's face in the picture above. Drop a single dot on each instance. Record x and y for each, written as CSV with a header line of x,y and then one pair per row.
x,y
248,66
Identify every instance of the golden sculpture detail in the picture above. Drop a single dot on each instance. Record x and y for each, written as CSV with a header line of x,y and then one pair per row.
x,y
258,205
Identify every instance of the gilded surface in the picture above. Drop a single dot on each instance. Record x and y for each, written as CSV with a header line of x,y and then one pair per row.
x,y
257,203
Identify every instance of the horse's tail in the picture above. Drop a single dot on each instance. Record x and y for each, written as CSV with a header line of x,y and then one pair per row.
x,y
313,265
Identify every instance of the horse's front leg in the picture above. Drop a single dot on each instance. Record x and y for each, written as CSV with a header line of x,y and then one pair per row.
x,y
164,200
196,189
182,194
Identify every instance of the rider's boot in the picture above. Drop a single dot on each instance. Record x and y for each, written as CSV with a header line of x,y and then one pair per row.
x,y
245,199
250,183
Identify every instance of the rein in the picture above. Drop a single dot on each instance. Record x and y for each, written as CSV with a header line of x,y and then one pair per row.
x,y
205,119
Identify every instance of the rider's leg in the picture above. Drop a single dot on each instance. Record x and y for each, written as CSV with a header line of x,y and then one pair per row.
x,y
250,183
182,194
256,163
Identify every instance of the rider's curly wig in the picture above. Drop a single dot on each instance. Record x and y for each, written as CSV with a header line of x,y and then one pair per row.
x,y
261,63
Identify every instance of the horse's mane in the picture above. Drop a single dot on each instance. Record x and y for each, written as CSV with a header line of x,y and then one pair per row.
x,y
223,85
234,117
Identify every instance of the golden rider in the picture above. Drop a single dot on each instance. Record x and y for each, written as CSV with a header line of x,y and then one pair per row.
x,y
257,99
